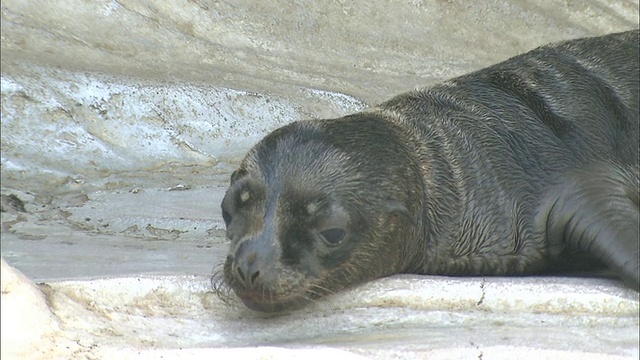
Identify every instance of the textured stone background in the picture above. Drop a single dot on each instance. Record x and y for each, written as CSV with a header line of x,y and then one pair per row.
x,y
121,121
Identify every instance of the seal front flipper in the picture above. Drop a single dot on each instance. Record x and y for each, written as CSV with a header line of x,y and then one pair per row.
x,y
596,210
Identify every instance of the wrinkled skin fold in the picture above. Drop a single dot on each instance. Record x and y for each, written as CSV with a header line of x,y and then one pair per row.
x,y
510,170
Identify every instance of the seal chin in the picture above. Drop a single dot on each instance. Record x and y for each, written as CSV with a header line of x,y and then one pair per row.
x,y
267,302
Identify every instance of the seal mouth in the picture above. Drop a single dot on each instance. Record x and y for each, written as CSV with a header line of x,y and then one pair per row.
x,y
268,302
290,290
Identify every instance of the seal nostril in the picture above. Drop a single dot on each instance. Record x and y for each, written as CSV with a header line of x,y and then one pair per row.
x,y
254,277
240,273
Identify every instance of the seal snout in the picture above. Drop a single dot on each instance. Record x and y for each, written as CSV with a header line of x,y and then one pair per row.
x,y
251,264
261,284
246,270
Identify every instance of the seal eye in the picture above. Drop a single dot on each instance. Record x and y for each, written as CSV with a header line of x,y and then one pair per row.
x,y
332,236
226,217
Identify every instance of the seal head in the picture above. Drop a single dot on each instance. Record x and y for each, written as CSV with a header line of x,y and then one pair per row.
x,y
304,215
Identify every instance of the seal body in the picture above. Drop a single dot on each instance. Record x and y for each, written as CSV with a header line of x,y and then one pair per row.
x,y
511,170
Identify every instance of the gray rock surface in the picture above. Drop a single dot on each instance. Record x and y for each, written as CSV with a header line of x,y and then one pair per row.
x,y
122,120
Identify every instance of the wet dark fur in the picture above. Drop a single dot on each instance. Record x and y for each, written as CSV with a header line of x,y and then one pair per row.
x,y
511,170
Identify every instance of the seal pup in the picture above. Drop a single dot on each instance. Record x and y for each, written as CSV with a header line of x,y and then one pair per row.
x,y
511,170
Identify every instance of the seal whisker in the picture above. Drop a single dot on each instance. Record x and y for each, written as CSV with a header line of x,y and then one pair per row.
x,y
310,299
324,290
219,286
314,294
